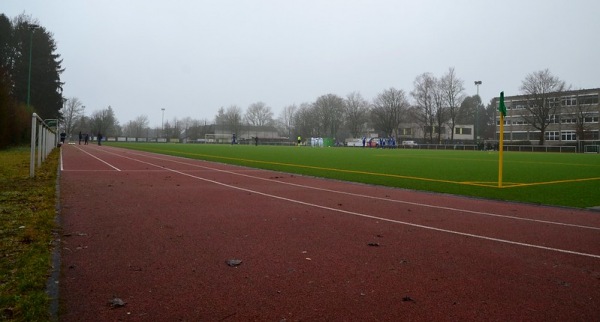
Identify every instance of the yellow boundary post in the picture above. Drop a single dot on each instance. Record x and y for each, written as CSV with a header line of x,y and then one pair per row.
x,y
501,151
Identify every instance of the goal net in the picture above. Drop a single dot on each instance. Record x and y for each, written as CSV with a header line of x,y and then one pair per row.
x,y
217,138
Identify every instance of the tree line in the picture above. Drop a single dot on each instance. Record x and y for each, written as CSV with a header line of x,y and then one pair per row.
x,y
433,103
30,82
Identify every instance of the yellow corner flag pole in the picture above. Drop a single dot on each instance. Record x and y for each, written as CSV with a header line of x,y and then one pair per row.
x,y
502,109
501,147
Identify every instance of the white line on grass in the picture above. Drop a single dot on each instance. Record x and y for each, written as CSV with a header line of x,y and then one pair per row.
x,y
367,216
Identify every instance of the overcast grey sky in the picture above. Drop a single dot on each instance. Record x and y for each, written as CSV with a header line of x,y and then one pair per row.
x,y
192,57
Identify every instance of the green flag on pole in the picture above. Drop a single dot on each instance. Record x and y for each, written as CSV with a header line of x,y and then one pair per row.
x,y
502,107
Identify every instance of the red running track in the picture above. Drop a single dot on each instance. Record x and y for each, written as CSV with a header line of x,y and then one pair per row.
x,y
156,231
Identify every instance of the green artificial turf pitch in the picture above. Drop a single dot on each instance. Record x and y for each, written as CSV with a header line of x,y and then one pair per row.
x,y
561,179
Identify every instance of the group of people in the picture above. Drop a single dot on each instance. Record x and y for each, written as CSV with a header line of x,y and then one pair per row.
x,y
234,139
316,142
383,143
86,137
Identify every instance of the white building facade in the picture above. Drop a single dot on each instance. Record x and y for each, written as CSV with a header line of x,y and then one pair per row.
x,y
572,116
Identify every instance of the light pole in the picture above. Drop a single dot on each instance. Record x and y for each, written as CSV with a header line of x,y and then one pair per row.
x,y
82,125
31,28
162,126
477,83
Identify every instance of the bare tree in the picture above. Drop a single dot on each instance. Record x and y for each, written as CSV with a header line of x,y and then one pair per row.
x,y
185,125
72,111
466,111
136,128
173,129
259,114
424,96
488,120
305,121
471,107
543,93
440,111
357,113
330,111
286,119
453,89
198,129
581,109
233,118
388,109
104,122
220,117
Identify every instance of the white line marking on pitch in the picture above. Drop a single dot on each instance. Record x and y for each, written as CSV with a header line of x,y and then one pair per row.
x,y
372,217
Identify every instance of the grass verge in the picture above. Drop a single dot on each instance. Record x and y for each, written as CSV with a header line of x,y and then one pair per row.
x,y
27,212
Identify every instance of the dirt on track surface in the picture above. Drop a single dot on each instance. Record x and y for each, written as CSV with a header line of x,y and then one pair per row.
x,y
156,231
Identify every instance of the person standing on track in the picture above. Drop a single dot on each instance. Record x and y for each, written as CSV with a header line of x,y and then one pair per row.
x,y
86,139
99,138
80,137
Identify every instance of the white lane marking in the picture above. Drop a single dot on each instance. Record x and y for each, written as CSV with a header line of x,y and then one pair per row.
x,y
61,160
424,205
95,157
371,217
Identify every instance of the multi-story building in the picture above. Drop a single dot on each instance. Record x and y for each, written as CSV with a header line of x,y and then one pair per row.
x,y
463,133
571,116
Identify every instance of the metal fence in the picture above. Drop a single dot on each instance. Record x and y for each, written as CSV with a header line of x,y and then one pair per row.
x,y
43,141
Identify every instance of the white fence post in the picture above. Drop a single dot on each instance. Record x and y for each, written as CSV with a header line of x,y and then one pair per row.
x,y
43,141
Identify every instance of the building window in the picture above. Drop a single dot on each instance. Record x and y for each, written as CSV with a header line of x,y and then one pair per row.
x,y
406,131
591,119
462,130
588,99
552,136
436,129
520,122
568,119
569,101
520,136
519,105
568,136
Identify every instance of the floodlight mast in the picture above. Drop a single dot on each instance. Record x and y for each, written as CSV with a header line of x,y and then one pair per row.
x,y
162,126
477,83
32,28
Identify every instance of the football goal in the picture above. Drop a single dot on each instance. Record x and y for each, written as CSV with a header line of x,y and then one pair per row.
x,y
217,138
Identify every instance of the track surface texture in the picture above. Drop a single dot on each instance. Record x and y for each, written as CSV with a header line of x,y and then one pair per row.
x,y
157,231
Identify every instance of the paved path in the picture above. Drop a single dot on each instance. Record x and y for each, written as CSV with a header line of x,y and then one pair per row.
x,y
156,232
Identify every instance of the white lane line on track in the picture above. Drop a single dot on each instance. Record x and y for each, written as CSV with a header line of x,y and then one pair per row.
x,y
95,157
417,204
504,241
